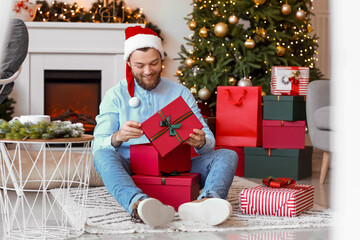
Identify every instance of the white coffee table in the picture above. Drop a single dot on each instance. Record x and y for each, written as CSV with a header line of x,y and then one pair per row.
x,y
29,209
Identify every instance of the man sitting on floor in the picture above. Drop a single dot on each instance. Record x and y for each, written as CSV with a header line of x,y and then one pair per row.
x,y
119,126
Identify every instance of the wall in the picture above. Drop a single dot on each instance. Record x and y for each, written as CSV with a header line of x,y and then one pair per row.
x,y
168,15
320,23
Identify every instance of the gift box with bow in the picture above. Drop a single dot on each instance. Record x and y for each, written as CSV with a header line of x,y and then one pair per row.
x,y
289,80
171,126
286,199
174,189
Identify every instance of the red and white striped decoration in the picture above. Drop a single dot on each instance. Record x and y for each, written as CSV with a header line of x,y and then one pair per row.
x,y
286,202
278,72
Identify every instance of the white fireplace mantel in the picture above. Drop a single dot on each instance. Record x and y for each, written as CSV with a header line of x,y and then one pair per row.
x,y
68,46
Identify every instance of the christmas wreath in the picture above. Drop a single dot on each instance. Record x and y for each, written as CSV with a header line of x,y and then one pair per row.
x,y
15,130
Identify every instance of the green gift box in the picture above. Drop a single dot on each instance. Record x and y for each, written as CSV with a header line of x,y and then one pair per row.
x,y
293,163
287,108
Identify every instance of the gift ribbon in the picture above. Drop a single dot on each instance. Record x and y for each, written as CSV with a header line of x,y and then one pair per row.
x,y
295,83
172,127
278,182
171,174
165,122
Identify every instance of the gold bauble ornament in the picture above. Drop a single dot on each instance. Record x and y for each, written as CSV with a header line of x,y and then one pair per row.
x,y
260,34
192,25
286,9
193,90
263,93
309,28
209,59
300,15
221,29
259,2
249,43
204,94
280,50
232,81
203,32
233,19
189,62
244,82
179,72
306,129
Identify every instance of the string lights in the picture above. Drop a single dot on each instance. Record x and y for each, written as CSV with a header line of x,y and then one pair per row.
x,y
112,12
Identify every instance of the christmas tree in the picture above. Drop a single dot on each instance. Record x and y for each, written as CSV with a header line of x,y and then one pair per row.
x,y
238,41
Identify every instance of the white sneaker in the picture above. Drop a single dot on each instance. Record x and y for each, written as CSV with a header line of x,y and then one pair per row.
x,y
154,213
212,211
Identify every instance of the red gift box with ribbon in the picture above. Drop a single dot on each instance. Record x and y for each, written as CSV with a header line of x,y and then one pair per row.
x,y
171,126
171,190
283,134
145,159
290,80
281,197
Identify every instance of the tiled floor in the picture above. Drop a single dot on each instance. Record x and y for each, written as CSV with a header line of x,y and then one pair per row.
x,y
322,193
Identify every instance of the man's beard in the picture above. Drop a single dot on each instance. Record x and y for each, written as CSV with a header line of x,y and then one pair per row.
x,y
146,86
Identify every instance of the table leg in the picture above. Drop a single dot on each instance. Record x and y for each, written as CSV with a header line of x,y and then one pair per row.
x,y
10,169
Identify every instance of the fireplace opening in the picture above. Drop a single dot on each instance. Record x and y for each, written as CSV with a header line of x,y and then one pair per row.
x,y
73,95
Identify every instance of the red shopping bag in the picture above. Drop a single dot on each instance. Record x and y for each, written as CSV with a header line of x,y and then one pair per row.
x,y
238,116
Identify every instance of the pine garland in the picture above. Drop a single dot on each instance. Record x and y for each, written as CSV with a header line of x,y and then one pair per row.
x,y
15,130
60,11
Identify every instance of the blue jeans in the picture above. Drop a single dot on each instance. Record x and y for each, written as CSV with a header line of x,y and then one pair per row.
x,y
217,169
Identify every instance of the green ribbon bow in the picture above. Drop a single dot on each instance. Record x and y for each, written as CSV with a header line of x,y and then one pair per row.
x,y
166,123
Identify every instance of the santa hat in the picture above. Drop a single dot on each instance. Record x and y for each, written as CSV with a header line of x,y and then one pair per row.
x,y
136,38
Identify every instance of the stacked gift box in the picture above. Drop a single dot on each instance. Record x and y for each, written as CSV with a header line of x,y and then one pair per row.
x,y
162,167
283,152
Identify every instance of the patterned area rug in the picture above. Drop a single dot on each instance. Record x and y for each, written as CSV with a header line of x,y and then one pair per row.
x,y
106,216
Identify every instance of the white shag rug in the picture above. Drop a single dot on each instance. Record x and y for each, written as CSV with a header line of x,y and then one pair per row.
x,y
105,216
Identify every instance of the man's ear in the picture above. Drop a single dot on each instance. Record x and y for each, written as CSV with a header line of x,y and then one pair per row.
x,y
128,63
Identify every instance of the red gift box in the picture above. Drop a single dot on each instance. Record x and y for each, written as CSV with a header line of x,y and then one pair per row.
x,y
145,159
285,202
171,126
241,158
283,134
172,190
292,81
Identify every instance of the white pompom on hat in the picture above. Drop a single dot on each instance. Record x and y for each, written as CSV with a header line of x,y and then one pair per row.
x,y
135,38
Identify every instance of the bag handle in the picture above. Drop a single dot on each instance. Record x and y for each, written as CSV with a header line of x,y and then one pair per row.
x,y
235,101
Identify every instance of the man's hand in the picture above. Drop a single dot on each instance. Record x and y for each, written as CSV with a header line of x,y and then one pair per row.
x,y
197,139
130,129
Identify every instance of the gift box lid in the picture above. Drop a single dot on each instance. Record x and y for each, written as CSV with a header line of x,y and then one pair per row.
x,y
171,126
289,189
280,123
281,152
289,68
183,179
283,98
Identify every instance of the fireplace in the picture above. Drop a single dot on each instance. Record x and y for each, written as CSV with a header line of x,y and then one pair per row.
x,y
75,47
73,95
